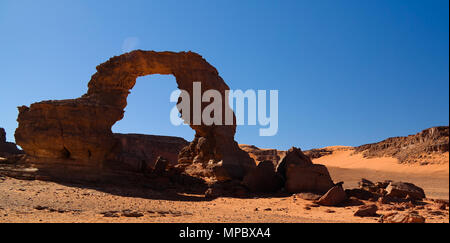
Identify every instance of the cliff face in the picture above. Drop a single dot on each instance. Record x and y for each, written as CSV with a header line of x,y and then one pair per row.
x,y
78,131
141,151
411,149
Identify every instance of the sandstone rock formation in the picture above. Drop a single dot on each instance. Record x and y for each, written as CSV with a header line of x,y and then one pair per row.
x,y
397,218
367,211
161,165
7,148
333,197
404,190
301,175
263,178
260,155
317,153
412,149
78,131
141,151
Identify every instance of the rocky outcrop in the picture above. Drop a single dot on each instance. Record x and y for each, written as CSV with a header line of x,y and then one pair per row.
x,y
412,149
140,152
318,153
7,148
301,175
314,178
260,155
78,131
263,178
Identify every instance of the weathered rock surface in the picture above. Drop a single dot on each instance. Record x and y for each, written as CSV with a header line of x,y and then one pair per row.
x,y
2,135
367,211
301,175
318,153
308,196
359,193
140,152
315,178
263,178
404,190
161,165
7,148
402,218
333,197
260,155
411,149
78,131
364,183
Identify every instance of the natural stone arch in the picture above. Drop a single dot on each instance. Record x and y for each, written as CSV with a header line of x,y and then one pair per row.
x,y
78,131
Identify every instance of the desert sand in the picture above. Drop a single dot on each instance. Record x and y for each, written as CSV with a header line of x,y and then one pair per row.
x,y
42,201
345,165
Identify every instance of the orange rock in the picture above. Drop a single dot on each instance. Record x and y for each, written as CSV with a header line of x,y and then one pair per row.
x,y
78,131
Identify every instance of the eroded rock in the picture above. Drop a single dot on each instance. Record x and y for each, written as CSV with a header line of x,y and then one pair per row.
x,y
359,193
140,152
417,148
404,190
260,155
398,217
333,197
161,165
78,131
301,175
367,211
7,148
263,178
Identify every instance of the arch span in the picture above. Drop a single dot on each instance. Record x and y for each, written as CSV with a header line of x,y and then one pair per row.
x,y
78,131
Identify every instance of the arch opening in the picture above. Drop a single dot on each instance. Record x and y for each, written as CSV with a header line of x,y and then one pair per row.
x,y
145,132
83,126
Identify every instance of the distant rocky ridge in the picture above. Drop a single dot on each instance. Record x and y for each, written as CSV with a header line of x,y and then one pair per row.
x,y
424,148
260,155
418,148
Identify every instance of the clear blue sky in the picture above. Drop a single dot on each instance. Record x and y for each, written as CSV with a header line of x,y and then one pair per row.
x,y
348,72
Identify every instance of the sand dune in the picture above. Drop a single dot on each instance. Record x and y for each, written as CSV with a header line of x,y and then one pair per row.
x,y
350,167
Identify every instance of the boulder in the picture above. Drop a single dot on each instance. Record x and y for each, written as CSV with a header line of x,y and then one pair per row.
x,y
367,211
263,178
402,218
301,175
294,156
333,197
404,190
314,178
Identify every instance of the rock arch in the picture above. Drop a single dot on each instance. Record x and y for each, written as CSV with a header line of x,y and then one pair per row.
x,y
78,131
